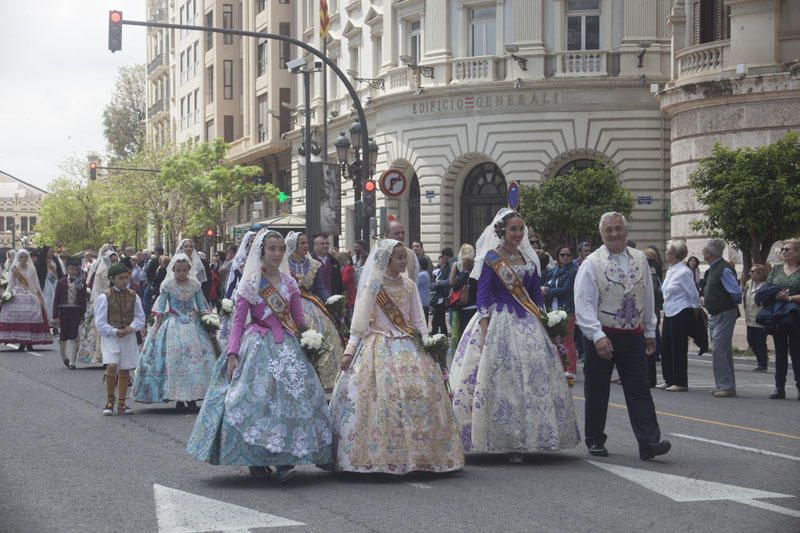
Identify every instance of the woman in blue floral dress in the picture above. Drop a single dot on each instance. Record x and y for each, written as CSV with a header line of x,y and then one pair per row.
x,y
177,358
265,406
510,392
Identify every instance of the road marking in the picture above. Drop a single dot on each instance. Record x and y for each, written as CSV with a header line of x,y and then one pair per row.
x,y
707,421
16,347
684,489
736,446
182,512
418,485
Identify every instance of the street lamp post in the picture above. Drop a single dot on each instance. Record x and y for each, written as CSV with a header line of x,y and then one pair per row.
x,y
363,156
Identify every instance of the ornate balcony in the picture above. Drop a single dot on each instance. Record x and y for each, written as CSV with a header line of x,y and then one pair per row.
x,y
474,69
580,63
155,63
702,60
398,79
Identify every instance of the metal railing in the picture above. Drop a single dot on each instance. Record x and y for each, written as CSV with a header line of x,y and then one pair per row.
x,y
156,62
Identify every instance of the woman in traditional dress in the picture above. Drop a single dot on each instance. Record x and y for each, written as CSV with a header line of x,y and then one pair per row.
x,y
510,393
229,289
24,319
89,342
49,269
391,409
265,406
186,246
298,263
177,358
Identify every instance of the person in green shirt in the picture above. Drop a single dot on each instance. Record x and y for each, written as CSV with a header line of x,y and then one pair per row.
x,y
787,343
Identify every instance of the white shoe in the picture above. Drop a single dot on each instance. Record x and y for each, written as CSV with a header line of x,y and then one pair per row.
x,y
662,386
108,410
676,388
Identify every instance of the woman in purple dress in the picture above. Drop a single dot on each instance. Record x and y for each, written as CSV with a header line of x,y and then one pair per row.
x,y
510,393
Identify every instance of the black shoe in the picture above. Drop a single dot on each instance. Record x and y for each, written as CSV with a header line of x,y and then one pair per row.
x,y
29,347
598,450
21,348
180,406
760,369
778,395
66,363
659,448
192,407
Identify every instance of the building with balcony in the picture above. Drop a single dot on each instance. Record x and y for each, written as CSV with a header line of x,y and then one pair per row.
x,y
735,81
474,94
19,211
204,86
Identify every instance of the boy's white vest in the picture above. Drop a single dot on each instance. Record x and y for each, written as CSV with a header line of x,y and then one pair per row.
x,y
621,294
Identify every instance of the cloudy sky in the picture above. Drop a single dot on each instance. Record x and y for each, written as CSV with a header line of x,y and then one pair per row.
x,y
56,75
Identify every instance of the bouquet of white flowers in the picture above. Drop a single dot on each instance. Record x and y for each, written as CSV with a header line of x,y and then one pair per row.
x,y
227,306
556,323
335,304
313,343
6,297
437,346
210,323
3,281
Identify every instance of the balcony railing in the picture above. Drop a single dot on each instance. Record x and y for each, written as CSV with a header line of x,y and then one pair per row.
x,y
155,63
708,58
581,63
474,69
158,107
398,79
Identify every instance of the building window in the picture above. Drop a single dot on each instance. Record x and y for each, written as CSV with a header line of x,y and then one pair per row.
x,y
196,57
210,83
196,106
2,224
261,53
711,21
23,224
285,117
482,31
262,5
583,25
377,55
333,91
32,222
227,79
228,128
227,22
263,117
209,35
578,164
183,112
414,40
210,135
354,60
285,30
183,72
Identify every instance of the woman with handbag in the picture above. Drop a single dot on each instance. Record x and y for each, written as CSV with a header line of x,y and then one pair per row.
x,y
559,294
463,293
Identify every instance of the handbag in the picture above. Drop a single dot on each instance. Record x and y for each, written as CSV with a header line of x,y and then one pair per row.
x,y
459,297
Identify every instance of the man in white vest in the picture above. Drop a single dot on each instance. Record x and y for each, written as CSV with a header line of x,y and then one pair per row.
x,y
615,310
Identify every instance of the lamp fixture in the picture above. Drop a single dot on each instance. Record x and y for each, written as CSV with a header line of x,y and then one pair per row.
x,y
375,83
427,72
521,61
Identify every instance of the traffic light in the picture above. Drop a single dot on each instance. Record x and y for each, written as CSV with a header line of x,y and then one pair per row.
x,y
210,233
369,198
282,197
92,170
115,31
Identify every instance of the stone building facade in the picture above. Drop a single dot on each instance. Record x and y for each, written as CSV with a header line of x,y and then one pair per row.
x,y
19,209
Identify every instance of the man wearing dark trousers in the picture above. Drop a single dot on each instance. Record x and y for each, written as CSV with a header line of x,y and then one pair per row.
x,y
615,310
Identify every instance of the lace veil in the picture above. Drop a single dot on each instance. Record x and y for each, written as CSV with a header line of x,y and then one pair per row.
x,y
489,240
369,284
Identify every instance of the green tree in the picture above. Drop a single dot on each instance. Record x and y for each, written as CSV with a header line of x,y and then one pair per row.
x,y
202,176
751,195
123,117
567,208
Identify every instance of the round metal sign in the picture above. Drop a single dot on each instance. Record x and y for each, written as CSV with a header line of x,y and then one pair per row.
x,y
393,183
513,195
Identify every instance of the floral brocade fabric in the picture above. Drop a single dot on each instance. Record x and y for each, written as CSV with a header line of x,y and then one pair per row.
x,y
327,366
391,409
272,413
511,394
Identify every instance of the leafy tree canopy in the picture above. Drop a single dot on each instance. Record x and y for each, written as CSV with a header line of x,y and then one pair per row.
x,y
123,117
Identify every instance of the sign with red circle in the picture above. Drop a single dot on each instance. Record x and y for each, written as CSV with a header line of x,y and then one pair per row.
x,y
393,183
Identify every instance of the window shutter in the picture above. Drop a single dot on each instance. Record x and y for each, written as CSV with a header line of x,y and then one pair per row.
x,y
696,22
719,21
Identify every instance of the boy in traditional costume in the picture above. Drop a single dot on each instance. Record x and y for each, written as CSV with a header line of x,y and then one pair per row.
x,y
69,308
118,314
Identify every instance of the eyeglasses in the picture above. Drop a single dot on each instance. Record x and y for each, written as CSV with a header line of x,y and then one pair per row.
x,y
534,243
786,249
567,254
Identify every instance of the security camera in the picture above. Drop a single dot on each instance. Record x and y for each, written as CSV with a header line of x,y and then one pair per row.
x,y
295,64
318,64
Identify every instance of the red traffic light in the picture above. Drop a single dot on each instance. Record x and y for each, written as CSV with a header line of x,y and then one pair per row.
x,y
115,31
93,165
115,16
370,186
210,233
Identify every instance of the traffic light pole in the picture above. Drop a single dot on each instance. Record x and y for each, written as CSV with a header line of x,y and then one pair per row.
x,y
362,118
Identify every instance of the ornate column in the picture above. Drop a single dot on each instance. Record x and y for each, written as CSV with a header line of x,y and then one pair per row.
x,y
437,31
389,40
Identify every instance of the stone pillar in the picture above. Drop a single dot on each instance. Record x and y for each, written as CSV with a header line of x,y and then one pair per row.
x,y
676,26
640,26
389,41
437,31
527,19
640,21
754,32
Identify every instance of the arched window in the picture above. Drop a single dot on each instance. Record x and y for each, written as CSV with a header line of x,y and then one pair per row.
x,y
577,164
414,229
484,193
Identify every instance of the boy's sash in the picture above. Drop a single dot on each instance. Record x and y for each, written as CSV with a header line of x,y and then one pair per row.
x,y
512,283
391,310
280,308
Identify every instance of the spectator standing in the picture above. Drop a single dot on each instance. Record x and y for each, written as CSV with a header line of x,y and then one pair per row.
x,y
359,258
161,273
559,294
721,297
584,251
419,251
440,291
787,276
460,279
348,284
694,265
681,300
756,333
657,273
330,271
424,287
150,271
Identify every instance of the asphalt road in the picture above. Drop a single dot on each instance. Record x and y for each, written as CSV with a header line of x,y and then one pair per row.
x,y
67,468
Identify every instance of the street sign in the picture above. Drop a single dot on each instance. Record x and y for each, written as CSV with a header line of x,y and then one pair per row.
x,y
513,195
393,183
644,200
239,232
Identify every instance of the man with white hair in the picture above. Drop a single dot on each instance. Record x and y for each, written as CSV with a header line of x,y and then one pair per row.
x,y
615,309
395,230
721,297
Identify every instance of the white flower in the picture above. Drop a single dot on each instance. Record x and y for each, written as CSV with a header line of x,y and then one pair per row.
x,y
210,320
311,339
432,340
227,305
7,296
562,314
336,298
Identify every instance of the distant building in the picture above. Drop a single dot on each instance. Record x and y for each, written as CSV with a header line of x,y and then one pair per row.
x,y
735,81
19,211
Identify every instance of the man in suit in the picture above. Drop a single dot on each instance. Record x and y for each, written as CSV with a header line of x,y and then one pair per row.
x,y
330,270
69,308
440,291
151,271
